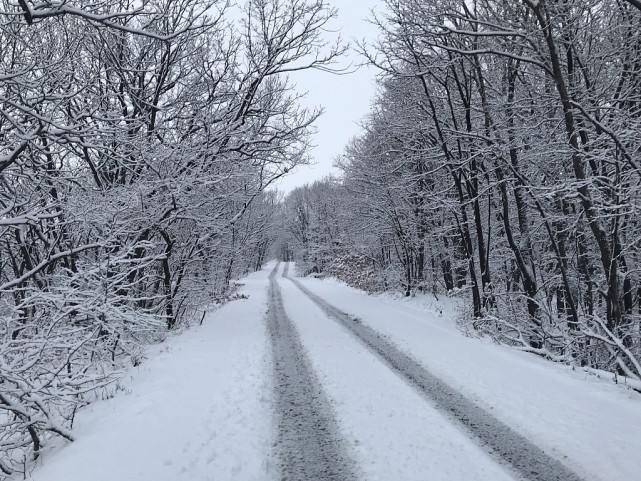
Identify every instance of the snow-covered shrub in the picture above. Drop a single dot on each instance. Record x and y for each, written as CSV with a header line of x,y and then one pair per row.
x,y
355,270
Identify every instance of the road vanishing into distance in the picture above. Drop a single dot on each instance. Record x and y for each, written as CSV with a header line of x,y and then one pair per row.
x,y
309,443
306,379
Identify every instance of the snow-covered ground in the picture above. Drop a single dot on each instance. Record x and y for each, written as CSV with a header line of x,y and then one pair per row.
x,y
198,409
394,432
590,424
201,406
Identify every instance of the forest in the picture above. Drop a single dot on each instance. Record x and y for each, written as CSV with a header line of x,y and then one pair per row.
x,y
500,163
140,142
137,144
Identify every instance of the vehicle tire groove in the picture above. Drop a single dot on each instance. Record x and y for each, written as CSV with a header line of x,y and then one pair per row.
x,y
309,446
501,441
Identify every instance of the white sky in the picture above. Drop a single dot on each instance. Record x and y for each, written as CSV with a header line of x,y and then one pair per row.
x,y
345,98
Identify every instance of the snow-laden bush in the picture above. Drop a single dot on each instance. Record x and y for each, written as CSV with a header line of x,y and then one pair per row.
x,y
357,271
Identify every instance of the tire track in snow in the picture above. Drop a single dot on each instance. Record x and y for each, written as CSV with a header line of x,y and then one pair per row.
x,y
308,443
526,459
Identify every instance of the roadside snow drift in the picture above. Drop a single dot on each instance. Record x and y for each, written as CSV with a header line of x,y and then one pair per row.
x,y
197,410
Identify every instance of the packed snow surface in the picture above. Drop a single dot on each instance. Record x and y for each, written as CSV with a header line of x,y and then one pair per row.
x,y
393,432
206,405
309,445
508,446
590,424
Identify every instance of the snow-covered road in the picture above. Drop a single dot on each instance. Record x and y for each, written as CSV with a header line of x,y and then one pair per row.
x,y
286,385
308,445
499,439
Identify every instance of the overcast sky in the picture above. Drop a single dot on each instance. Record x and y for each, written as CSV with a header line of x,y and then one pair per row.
x,y
345,98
